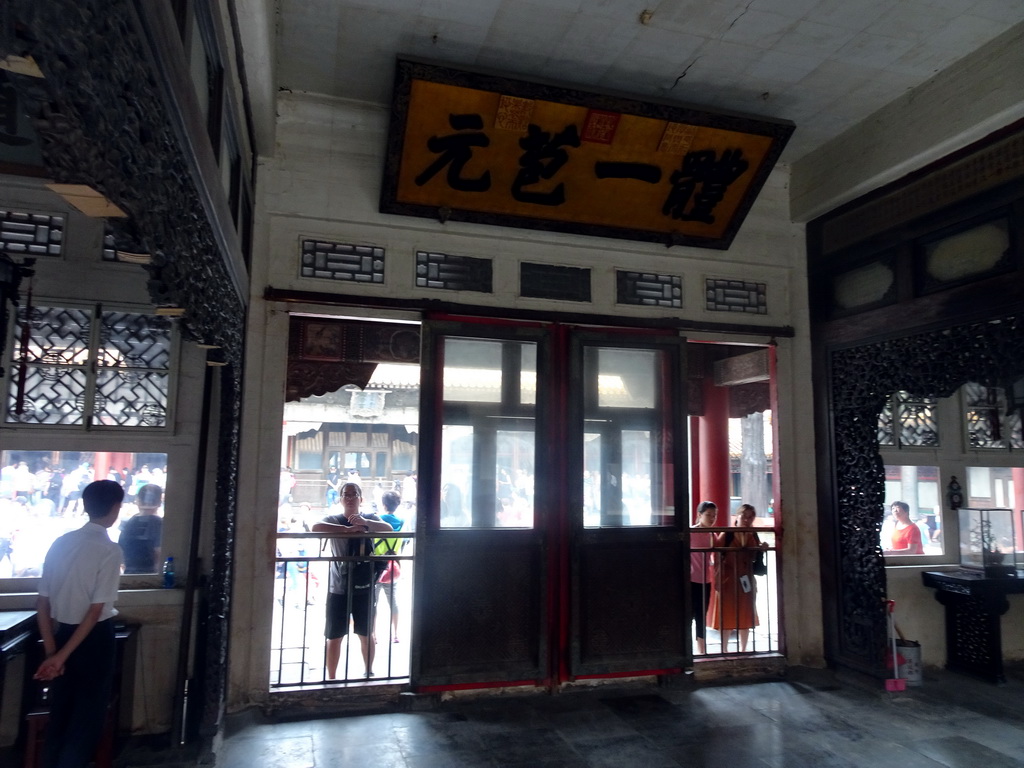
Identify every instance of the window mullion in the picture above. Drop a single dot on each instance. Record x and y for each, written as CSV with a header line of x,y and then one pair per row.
x,y
92,368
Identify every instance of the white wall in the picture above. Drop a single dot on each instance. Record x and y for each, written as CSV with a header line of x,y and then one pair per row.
x,y
324,182
921,617
962,104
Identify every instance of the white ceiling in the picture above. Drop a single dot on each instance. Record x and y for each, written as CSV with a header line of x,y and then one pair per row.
x,y
823,64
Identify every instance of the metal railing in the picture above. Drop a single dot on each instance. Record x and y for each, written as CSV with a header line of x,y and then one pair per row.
x,y
741,608
301,591
735,607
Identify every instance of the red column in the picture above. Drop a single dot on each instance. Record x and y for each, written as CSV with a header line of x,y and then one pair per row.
x,y
100,465
695,466
104,462
713,453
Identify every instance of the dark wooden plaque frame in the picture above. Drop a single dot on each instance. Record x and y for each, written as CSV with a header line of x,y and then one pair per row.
x,y
408,71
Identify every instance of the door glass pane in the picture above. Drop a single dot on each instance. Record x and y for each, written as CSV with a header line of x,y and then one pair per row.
x,y
991,420
626,377
456,476
472,371
488,433
591,479
636,477
627,458
528,375
515,479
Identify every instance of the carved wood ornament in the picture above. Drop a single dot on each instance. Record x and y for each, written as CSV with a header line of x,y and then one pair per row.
x,y
324,355
933,364
102,121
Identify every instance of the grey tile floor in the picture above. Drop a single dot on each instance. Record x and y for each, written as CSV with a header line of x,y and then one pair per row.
x,y
810,719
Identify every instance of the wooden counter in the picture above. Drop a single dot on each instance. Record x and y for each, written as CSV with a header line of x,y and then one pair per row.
x,y
974,607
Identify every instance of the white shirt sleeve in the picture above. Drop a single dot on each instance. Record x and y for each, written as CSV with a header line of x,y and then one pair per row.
x,y
108,578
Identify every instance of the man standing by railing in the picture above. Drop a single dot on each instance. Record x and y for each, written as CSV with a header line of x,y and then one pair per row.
x,y
360,575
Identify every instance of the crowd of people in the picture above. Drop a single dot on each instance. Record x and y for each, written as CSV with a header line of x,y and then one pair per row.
x,y
40,501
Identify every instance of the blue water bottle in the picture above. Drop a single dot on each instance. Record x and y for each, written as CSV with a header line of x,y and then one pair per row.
x,y
169,573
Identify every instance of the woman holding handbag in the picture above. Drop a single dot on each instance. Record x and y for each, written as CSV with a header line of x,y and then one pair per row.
x,y
734,591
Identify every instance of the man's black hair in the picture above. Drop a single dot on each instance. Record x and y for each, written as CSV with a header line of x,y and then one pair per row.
x,y
390,500
149,495
100,495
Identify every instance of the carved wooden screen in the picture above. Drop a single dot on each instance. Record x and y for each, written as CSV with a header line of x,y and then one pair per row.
x,y
861,379
324,354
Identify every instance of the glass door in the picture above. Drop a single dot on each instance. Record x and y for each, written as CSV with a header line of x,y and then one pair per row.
x,y
482,573
627,462
550,472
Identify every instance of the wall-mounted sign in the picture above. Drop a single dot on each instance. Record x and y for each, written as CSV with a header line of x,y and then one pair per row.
x,y
472,147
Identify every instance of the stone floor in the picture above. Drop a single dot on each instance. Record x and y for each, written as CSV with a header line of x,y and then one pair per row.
x,y
813,718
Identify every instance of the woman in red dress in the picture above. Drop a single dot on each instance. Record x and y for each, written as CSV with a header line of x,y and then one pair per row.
x,y
906,536
734,591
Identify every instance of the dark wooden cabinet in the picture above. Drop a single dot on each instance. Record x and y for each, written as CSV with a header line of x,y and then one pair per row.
x,y
974,606
17,633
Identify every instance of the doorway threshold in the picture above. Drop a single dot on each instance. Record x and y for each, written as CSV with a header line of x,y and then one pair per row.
x,y
330,699
721,669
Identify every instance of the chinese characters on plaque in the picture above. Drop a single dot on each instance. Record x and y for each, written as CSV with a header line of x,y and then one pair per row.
x,y
512,153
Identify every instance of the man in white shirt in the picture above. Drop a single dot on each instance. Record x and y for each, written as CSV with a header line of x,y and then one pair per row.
x,y
75,611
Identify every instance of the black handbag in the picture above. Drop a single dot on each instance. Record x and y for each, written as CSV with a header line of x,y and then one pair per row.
x,y
760,567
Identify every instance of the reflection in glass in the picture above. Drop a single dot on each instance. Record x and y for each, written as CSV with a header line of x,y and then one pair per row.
x,y
514,479
456,476
991,424
993,486
636,477
528,374
41,499
592,479
472,371
627,463
488,434
626,378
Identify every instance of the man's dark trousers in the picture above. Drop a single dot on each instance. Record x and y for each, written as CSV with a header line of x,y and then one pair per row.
x,y
78,699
